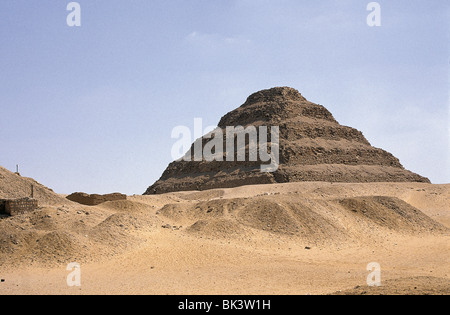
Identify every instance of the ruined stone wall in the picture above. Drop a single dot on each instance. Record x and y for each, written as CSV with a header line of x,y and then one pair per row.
x,y
94,200
2,206
14,207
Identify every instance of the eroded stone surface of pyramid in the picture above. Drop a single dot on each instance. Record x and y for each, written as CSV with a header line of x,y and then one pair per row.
x,y
313,146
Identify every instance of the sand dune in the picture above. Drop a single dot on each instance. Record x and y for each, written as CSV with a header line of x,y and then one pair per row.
x,y
14,186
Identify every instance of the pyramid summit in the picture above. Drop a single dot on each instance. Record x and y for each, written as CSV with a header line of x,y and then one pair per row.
x,y
313,146
274,95
275,105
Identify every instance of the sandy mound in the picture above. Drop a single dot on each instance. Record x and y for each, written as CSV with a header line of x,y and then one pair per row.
x,y
317,221
119,230
194,211
19,246
44,219
59,247
391,213
217,228
57,235
267,216
127,206
202,195
14,186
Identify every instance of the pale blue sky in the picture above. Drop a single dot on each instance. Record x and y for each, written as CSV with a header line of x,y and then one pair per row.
x,y
92,108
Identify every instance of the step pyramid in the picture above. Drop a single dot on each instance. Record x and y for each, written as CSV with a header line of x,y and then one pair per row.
x,y
313,146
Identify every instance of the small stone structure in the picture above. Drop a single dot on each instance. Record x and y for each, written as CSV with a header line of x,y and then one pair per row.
x,y
15,207
94,200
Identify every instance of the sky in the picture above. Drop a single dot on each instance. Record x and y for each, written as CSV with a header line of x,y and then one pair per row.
x,y
92,108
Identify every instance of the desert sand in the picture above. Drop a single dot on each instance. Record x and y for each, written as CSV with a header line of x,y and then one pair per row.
x,y
293,238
